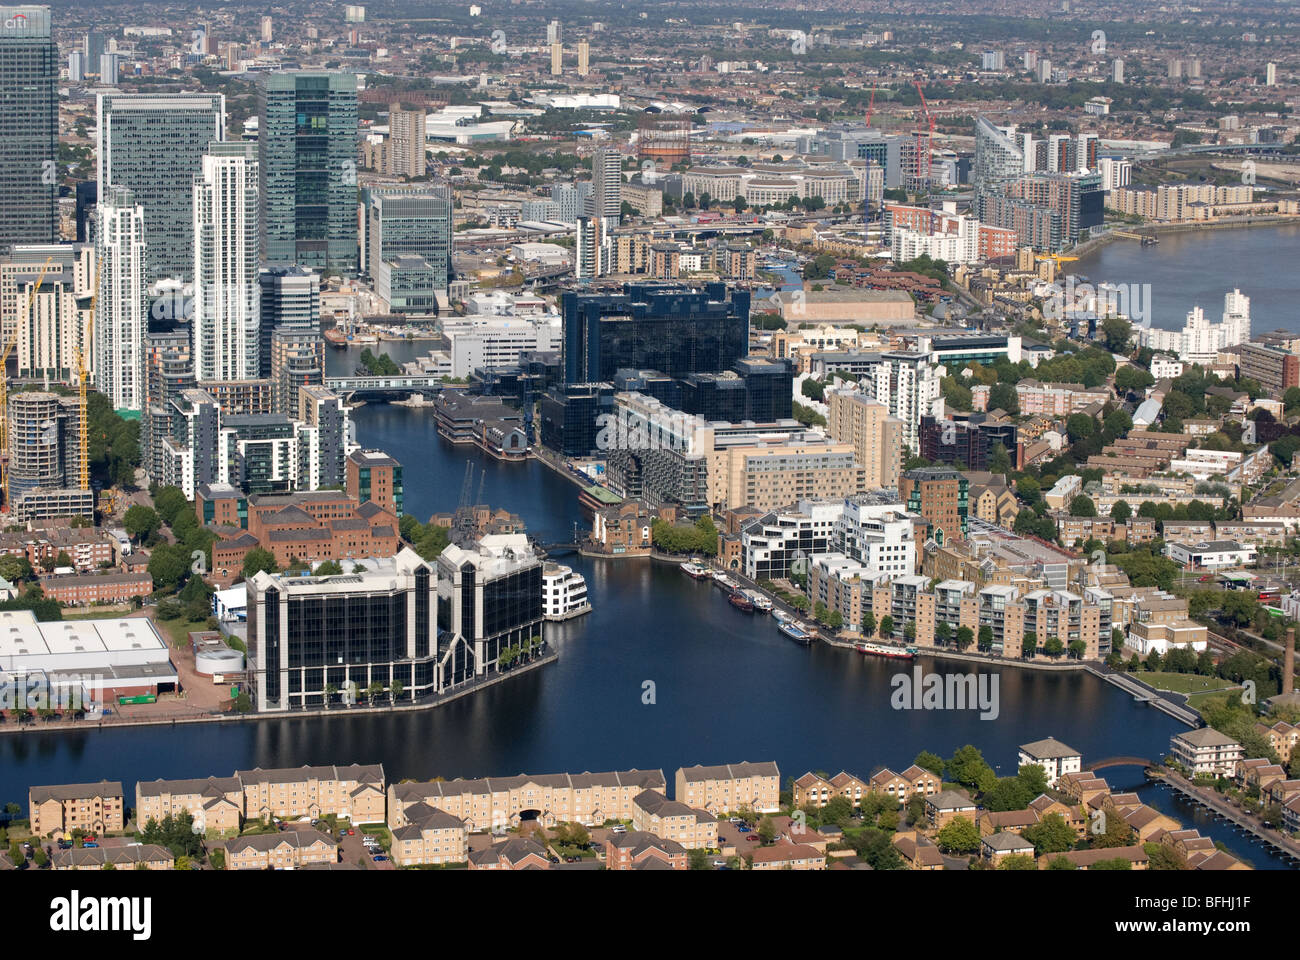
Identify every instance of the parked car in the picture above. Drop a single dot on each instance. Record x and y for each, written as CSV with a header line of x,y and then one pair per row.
x,y
380,858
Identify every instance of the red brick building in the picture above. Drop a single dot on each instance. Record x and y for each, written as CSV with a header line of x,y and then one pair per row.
x,y
77,590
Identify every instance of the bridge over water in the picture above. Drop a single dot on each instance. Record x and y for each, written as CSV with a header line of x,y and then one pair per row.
x,y
405,384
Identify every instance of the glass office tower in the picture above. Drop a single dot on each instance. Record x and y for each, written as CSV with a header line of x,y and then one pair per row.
x,y
307,147
29,128
153,145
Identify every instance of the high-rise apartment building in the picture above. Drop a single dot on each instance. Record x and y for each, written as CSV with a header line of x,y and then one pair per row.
x,y
940,495
297,360
307,163
909,386
122,308
43,442
557,59
29,127
169,369
49,321
153,145
606,185
406,142
876,436
227,297
290,298
584,57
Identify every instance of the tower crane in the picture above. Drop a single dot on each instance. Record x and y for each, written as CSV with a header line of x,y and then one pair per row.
x,y
924,136
4,383
83,409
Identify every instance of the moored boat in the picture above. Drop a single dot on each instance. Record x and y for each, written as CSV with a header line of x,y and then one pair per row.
x,y
694,570
893,651
724,582
741,602
795,632
761,603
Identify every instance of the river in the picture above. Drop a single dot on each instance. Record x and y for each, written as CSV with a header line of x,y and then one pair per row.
x,y
663,673
1197,267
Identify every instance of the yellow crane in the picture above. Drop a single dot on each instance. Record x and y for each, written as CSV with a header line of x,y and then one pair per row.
x,y
4,383
1055,258
83,410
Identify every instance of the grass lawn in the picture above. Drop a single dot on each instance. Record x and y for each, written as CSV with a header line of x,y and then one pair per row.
x,y
1182,682
1196,699
379,832
96,613
178,630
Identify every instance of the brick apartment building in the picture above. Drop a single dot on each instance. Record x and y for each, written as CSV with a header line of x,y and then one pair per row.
x,y
83,589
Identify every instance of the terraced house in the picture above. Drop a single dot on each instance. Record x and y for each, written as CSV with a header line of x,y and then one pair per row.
x,y
133,856
65,807
586,798
354,793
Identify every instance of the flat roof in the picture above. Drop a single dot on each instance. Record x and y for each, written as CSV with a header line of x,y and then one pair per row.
x,y
22,635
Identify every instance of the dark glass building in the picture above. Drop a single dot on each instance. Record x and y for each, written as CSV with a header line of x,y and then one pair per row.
x,y
313,638
569,417
306,149
29,128
660,326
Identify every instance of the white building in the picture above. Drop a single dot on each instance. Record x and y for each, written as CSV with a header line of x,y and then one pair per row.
x,y
1053,756
226,292
909,385
122,304
959,244
492,341
1115,173
1165,367
1200,339
1207,751
1211,554
564,593
879,535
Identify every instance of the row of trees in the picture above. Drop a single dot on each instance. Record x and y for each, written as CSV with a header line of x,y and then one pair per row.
x,y
701,538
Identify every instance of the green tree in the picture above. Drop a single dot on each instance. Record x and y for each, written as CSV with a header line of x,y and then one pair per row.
x,y
886,626
1053,647
170,503
1082,506
1050,835
1121,511
141,522
958,835
766,830
1029,644
930,761
1018,861
258,560
168,565
968,767
986,638
965,636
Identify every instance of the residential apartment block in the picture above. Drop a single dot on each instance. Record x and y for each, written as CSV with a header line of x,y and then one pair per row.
x,y
286,850
354,793
586,798
62,808
215,803
654,813
730,787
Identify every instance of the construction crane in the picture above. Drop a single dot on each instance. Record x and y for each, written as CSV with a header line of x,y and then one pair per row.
x,y
1055,258
83,408
924,136
4,385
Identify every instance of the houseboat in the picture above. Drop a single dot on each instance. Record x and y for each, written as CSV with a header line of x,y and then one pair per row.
x,y
695,571
873,648
796,633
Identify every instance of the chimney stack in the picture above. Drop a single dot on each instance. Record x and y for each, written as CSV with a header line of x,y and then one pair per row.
x,y
1288,663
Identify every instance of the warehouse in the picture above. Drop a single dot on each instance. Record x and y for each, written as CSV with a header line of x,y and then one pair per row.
x,y
93,660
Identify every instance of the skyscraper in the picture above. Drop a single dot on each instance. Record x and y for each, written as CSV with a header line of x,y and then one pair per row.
x,y
307,162
227,297
406,142
557,59
584,57
409,221
1117,71
121,312
153,145
606,185
29,127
